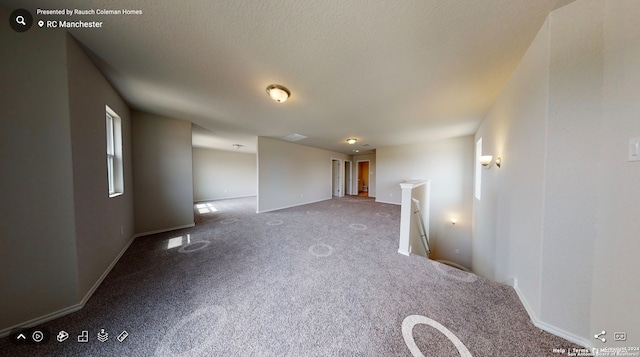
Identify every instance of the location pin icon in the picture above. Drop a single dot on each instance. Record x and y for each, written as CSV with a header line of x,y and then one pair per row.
x,y
40,23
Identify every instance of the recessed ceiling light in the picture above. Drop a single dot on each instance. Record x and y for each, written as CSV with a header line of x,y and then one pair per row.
x,y
352,141
278,93
356,150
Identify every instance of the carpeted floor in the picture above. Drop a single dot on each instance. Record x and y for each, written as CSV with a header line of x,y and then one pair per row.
x,y
323,279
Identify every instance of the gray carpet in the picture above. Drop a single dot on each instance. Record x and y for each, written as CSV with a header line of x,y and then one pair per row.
x,y
323,279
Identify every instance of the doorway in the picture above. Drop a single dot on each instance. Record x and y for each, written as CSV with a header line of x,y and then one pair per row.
x,y
363,178
336,178
348,180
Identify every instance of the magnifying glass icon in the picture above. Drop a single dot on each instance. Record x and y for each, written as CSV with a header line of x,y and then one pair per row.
x,y
20,20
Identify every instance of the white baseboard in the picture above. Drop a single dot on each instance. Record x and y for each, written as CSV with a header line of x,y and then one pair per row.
x,y
95,286
564,334
296,205
391,203
41,319
546,326
70,309
164,230
222,198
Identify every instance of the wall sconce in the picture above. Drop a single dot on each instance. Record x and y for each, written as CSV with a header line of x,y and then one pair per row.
x,y
487,161
454,220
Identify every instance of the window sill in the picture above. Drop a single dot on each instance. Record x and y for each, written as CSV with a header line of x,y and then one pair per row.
x,y
111,195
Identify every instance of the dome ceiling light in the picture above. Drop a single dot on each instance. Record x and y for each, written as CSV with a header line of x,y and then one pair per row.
x,y
278,93
352,141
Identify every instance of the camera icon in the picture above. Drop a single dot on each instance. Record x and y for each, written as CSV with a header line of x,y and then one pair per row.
x,y
619,336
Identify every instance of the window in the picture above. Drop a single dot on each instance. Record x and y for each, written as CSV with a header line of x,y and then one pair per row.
x,y
114,153
478,181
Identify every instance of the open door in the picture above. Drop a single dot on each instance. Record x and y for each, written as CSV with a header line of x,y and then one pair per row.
x,y
363,178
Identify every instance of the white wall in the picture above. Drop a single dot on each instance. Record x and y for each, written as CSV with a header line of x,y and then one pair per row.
x,y
38,266
616,275
221,174
571,200
560,213
291,174
508,218
104,226
449,165
163,173
61,232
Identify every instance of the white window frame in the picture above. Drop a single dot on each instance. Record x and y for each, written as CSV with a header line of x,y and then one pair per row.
x,y
115,175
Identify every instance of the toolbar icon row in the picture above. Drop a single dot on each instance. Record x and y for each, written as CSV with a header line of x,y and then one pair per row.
x,y
40,336
102,336
30,336
617,336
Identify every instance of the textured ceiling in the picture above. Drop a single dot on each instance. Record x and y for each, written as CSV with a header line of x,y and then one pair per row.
x,y
385,72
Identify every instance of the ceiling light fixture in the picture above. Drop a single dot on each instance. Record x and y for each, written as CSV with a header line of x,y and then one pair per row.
x,y
352,141
278,93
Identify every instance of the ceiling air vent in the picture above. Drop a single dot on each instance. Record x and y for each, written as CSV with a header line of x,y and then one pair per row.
x,y
294,137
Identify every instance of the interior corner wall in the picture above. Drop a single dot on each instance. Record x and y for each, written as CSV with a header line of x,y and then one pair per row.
x,y
221,174
448,164
38,263
507,230
162,173
537,207
104,225
291,174
573,135
562,207
372,190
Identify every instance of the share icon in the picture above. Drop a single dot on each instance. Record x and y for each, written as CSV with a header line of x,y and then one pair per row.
x,y
599,336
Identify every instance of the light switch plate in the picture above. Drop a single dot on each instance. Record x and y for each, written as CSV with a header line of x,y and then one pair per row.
x,y
634,149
